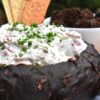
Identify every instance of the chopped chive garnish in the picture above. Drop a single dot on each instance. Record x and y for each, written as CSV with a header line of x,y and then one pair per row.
x,y
22,41
29,43
33,26
24,49
1,46
14,25
36,46
5,65
50,37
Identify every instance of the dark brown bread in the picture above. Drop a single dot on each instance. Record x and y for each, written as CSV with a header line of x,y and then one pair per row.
x,y
87,14
57,19
73,80
75,17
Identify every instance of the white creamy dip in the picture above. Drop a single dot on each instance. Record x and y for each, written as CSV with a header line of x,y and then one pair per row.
x,y
38,45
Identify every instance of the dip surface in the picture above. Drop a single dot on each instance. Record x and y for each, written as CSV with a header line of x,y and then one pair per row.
x,y
38,45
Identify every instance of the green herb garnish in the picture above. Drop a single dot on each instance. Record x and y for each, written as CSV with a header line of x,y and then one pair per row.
x,y
36,46
15,24
50,37
14,27
1,46
33,26
22,41
23,51
29,43
5,65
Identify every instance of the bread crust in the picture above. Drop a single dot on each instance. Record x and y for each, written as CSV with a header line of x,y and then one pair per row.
x,y
72,80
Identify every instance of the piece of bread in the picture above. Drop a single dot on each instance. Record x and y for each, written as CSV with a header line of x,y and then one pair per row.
x,y
8,11
33,11
15,6
72,80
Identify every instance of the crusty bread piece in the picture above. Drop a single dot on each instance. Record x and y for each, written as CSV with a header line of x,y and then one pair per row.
x,y
33,11
15,6
8,11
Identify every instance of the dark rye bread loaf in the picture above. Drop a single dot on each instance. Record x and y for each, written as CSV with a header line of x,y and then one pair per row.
x,y
75,17
72,80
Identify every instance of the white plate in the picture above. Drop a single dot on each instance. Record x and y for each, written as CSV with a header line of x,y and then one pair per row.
x,y
91,35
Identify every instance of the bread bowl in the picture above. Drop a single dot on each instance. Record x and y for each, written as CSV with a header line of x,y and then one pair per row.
x,y
77,77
